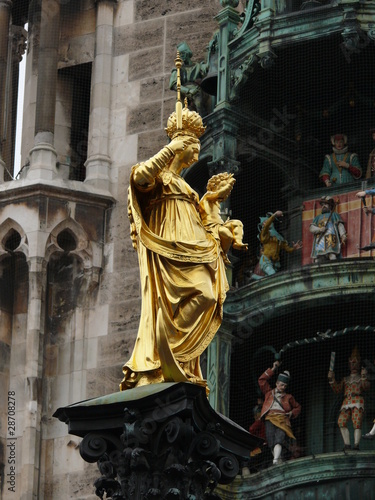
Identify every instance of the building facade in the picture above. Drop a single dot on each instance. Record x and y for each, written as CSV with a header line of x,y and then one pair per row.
x,y
279,79
96,102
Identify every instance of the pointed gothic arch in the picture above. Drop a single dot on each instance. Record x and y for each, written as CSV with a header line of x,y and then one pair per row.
x,y
7,228
82,247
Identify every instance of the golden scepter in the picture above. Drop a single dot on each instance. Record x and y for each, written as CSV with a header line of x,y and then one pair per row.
x,y
178,63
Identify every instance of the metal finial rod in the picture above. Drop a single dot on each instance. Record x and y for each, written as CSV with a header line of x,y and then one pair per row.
x,y
178,63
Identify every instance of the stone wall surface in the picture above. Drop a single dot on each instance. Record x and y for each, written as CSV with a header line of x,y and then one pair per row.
x,y
69,319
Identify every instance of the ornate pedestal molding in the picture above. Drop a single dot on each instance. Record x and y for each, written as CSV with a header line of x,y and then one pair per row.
x,y
157,442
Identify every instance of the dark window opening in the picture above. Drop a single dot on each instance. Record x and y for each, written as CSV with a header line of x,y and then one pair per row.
x,y
12,240
80,77
66,241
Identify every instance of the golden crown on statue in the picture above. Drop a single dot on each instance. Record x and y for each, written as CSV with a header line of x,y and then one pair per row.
x,y
183,121
192,124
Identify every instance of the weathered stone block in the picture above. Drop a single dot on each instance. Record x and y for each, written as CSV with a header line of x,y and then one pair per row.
x,y
169,106
120,69
144,9
127,38
196,28
113,349
124,156
82,486
78,385
124,95
103,380
66,455
149,144
144,63
55,360
152,89
57,486
144,117
91,352
78,23
4,356
17,357
77,50
120,316
98,321
124,13
5,327
60,391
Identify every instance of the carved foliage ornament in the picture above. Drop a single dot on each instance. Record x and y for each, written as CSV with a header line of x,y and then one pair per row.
x,y
240,75
19,42
158,460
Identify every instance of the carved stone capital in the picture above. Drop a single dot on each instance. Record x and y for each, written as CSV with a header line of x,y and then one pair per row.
x,y
267,59
6,4
371,34
158,441
19,35
240,75
351,39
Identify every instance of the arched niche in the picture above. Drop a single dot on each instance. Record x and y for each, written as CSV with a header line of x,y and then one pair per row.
x,y
69,275
13,239
71,279
14,296
66,292
69,237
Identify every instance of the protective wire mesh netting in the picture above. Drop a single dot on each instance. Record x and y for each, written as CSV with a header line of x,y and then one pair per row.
x,y
289,112
286,116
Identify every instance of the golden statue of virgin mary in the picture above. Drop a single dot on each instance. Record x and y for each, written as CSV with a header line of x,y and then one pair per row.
x,y
183,280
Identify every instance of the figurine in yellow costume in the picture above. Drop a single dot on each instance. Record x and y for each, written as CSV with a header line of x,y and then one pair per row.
x,y
353,405
229,232
272,242
183,280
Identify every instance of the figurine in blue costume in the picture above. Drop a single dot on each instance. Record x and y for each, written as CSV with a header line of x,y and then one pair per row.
x,y
329,232
272,243
340,166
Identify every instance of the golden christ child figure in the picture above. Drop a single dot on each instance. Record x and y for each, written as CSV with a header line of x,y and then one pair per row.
x,y
182,272
229,232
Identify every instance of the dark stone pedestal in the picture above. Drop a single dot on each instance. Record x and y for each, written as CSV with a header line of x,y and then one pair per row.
x,y
161,441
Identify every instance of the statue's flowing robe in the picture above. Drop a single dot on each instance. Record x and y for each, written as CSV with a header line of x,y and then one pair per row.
x,y
183,281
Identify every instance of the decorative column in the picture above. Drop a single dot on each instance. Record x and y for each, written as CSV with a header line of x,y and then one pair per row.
x,y
98,161
224,124
33,376
218,370
43,155
228,19
16,49
5,12
264,25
